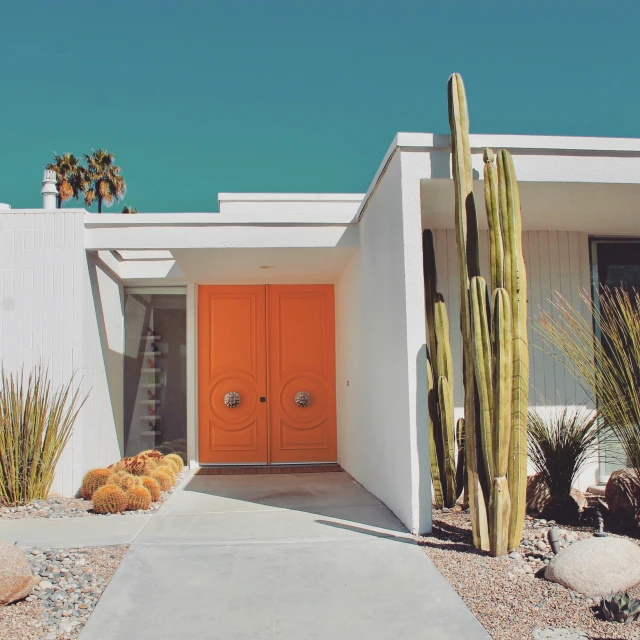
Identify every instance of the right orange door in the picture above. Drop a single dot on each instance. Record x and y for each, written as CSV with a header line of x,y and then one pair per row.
x,y
301,373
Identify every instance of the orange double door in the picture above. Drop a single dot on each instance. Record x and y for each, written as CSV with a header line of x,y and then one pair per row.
x,y
266,374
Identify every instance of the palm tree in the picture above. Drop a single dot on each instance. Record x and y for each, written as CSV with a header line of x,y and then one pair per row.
x,y
71,177
128,209
105,178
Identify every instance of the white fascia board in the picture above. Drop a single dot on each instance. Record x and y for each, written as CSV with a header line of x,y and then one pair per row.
x,y
218,219
109,237
290,197
536,146
548,144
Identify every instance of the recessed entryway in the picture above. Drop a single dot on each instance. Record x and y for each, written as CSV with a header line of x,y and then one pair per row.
x,y
266,374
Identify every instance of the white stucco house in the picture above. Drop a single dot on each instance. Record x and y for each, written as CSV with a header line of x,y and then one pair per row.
x,y
290,328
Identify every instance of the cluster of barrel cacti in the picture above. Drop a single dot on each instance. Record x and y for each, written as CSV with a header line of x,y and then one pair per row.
x,y
495,349
132,483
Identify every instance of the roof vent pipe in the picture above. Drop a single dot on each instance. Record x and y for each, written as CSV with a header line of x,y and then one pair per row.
x,y
49,191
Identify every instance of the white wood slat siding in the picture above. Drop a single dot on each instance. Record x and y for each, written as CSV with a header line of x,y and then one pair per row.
x,y
47,316
555,261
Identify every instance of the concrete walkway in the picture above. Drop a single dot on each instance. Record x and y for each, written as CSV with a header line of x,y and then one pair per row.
x,y
278,557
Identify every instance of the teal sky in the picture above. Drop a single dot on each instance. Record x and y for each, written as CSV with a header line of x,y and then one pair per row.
x,y
198,97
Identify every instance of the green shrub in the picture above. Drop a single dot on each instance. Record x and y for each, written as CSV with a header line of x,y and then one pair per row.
x,y
35,426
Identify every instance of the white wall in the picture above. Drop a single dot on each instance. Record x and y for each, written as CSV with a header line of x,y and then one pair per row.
x,y
557,261
45,318
381,366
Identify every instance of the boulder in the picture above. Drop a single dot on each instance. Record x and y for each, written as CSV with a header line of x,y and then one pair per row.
x,y
539,501
16,579
622,494
597,566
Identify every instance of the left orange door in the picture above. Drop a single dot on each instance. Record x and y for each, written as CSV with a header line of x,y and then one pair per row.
x,y
232,360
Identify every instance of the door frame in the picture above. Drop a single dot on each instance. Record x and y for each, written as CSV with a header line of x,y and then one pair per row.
x,y
193,417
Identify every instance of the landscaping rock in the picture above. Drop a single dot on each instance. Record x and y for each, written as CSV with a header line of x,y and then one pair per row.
x,y
16,579
538,495
622,494
597,566
559,634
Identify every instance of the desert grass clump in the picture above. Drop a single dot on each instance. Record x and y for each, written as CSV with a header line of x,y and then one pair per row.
x,y
164,477
93,479
174,457
139,498
153,487
36,423
608,368
109,499
561,441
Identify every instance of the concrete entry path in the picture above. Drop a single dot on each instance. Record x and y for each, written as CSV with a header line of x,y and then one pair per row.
x,y
278,557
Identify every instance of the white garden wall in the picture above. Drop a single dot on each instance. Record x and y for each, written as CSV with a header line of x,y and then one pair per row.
x,y
381,358
48,317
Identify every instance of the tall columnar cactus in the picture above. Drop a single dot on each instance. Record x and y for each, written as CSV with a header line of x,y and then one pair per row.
x,y
468,267
440,384
495,354
492,338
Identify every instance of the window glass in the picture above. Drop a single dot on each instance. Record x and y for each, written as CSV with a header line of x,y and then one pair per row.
x,y
155,371
618,265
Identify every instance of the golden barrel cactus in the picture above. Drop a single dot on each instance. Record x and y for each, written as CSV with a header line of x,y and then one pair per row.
x,y
109,499
94,479
152,453
152,485
169,464
174,457
139,498
124,479
164,477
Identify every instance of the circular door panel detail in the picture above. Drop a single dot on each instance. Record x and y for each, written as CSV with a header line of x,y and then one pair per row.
x,y
303,415
233,415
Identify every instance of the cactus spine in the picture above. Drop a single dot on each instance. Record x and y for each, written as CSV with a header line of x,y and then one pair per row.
x,y
494,332
439,384
468,266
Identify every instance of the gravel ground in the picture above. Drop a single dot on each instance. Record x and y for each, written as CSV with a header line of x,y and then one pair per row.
x,y
508,595
56,507
71,583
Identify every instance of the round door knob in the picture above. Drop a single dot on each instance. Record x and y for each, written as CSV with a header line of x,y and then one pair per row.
x,y
303,398
232,399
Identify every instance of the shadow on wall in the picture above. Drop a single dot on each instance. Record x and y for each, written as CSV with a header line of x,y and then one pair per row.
x,y
113,361
422,435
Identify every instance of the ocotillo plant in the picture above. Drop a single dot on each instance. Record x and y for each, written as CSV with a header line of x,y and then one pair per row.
x,y
440,383
495,350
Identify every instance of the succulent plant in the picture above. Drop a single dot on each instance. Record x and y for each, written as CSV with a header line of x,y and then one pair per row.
x,y
494,334
164,477
139,498
152,453
152,485
124,479
620,607
439,384
135,465
169,464
109,499
174,457
94,479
